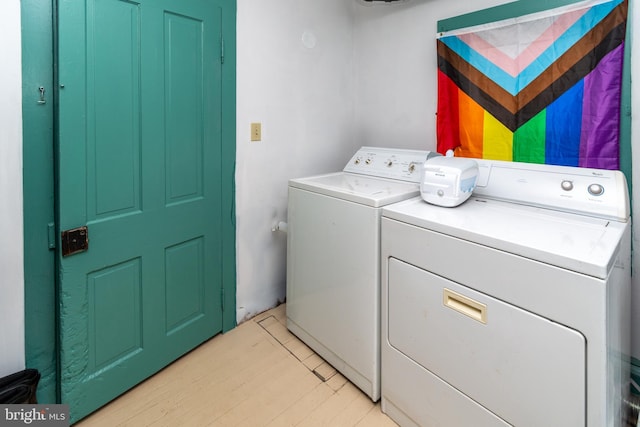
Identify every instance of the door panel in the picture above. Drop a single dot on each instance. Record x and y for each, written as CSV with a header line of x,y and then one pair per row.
x,y
140,166
113,108
184,115
115,321
185,289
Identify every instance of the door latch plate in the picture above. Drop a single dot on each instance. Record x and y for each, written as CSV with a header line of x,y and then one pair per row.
x,y
75,240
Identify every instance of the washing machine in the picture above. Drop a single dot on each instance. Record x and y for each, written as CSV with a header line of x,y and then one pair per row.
x,y
513,308
333,257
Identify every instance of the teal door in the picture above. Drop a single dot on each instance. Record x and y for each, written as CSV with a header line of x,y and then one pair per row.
x,y
141,152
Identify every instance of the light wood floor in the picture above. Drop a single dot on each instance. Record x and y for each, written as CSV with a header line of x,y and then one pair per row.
x,y
258,374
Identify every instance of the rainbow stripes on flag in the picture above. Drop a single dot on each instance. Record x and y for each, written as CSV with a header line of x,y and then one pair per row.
x,y
542,88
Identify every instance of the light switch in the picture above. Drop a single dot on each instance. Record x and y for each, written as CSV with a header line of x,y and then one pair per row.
x,y
256,131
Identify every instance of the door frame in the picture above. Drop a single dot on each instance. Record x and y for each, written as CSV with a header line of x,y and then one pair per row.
x,y
40,291
39,152
228,206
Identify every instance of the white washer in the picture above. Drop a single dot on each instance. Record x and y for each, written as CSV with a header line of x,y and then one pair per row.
x,y
333,257
513,308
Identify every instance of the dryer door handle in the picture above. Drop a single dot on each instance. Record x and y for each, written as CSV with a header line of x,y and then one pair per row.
x,y
465,305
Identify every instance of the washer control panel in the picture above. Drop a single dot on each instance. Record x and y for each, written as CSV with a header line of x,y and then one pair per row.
x,y
393,163
594,192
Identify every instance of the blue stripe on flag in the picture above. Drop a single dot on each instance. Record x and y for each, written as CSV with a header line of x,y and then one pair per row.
x,y
564,119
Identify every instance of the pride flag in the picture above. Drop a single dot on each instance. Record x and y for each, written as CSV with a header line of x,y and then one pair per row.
x,y
541,88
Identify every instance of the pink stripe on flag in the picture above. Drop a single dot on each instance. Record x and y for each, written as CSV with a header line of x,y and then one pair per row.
x,y
514,66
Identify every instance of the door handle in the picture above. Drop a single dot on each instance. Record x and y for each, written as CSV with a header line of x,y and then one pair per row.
x,y
465,305
42,100
75,240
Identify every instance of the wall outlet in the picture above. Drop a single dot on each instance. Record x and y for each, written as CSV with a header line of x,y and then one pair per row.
x,y
256,131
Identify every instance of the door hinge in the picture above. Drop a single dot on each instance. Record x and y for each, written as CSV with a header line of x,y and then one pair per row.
x,y
222,299
51,235
221,50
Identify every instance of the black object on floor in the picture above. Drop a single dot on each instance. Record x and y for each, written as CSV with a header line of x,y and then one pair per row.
x,y
19,387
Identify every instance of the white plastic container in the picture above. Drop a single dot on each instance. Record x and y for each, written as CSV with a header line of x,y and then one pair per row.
x,y
448,181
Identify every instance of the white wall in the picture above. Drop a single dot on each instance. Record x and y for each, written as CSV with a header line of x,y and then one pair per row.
x,y
11,235
397,69
295,76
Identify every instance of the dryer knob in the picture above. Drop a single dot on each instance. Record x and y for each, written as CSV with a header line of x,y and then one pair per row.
x,y
567,185
596,189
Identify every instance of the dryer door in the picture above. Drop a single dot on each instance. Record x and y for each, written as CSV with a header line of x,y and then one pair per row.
x,y
526,369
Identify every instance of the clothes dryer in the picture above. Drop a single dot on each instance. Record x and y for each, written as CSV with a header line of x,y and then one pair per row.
x,y
513,308
333,257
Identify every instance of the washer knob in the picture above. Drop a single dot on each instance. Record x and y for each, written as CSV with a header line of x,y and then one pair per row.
x,y
596,189
567,185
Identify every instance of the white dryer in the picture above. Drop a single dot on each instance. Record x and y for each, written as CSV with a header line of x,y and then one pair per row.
x,y
333,257
513,308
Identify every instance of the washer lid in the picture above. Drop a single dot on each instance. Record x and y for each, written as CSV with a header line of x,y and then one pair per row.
x,y
375,192
575,242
